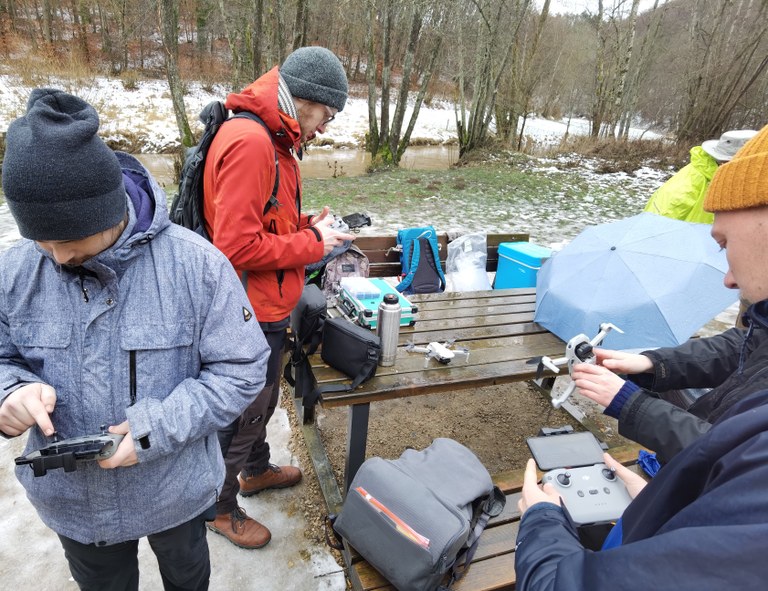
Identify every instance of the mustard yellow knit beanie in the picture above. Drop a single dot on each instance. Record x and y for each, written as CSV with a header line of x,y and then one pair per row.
x,y
742,182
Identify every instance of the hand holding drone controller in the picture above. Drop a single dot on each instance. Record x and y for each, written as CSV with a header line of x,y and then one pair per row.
x,y
32,405
580,349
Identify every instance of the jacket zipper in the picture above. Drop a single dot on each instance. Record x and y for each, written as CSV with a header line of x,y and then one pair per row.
x,y
143,441
132,376
83,288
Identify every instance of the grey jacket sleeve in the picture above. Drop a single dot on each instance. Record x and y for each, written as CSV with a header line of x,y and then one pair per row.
x,y
697,363
233,355
659,425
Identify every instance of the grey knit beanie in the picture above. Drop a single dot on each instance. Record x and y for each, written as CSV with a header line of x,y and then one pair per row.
x,y
60,179
316,74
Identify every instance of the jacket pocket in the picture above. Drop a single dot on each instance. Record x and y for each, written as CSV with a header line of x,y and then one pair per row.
x,y
158,356
44,346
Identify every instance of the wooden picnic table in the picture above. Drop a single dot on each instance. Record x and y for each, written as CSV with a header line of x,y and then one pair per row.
x,y
496,327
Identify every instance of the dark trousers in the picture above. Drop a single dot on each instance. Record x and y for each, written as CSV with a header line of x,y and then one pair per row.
x,y
244,443
182,555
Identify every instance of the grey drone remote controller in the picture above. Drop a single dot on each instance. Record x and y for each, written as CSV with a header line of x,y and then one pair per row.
x,y
592,494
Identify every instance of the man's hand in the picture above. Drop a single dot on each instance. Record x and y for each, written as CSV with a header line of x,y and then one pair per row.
x,y
331,237
596,382
634,482
621,362
29,405
126,451
532,493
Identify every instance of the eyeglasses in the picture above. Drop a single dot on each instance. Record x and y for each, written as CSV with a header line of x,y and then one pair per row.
x,y
331,118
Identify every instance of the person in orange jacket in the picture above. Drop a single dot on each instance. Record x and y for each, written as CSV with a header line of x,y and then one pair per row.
x,y
268,242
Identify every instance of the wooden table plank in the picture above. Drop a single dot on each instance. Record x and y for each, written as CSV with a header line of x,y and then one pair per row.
x,y
489,366
463,295
474,332
486,310
481,352
453,304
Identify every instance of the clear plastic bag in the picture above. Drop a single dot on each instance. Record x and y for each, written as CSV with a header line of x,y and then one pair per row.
x,y
465,264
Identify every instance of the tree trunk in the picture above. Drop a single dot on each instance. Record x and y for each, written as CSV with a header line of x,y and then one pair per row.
x,y
168,13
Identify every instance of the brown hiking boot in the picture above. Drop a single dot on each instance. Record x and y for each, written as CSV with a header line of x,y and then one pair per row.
x,y
272,477
240,529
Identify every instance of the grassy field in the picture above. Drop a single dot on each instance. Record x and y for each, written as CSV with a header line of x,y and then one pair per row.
x,y
551,200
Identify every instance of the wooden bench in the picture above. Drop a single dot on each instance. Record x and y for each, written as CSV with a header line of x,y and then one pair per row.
x,y
385,261
493,566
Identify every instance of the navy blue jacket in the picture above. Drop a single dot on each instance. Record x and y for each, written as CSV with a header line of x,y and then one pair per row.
x,y
700,524
734,364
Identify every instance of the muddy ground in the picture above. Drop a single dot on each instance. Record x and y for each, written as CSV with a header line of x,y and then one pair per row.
x,y
493,422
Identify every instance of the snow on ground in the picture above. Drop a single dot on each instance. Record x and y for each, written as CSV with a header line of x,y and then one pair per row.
x,y
147,112
289,562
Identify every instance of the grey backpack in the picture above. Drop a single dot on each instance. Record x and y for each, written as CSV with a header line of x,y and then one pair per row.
x,y
418,519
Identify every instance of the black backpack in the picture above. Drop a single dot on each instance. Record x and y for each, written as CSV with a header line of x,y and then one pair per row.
x,y
187,206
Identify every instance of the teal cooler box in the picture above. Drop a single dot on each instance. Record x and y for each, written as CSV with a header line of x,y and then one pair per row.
x,y
519,263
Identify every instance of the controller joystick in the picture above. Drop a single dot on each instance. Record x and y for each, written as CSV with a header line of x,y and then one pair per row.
x,y
609,474
564,479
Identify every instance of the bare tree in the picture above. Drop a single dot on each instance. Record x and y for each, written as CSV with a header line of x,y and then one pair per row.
x,y
168,17
494,26
516,90
640,65
728,56
387,141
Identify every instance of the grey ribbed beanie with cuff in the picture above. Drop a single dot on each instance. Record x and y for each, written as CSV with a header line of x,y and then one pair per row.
x,y
61,181
316,74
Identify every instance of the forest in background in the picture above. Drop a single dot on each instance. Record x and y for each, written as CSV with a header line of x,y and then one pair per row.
x,y
693,68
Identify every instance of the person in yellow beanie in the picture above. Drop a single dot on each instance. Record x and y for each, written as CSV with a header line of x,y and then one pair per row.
x,y
682,196
703,519
733,363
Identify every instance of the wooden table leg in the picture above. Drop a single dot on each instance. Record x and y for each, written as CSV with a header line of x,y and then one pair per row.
x,y
357,438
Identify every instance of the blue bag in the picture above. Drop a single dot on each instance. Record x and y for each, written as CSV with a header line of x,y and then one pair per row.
x,y
420,261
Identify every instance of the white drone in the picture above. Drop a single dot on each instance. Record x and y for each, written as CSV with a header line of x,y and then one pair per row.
x,y
578,350
440,351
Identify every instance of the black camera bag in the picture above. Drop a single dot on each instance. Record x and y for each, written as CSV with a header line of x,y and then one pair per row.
x,y
352,350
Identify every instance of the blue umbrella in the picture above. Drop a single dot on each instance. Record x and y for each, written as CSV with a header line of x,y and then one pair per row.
x,y
657,279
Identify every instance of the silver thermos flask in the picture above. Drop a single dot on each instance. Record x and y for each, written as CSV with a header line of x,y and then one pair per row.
x,y
388,328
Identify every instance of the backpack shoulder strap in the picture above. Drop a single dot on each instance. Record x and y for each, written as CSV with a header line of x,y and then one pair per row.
x,y
272,201
491,507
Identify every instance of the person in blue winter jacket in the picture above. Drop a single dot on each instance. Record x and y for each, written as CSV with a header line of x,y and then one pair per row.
x,y
702,522
111,315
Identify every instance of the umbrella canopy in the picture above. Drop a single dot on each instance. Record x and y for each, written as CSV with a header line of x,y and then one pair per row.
x,y
657,279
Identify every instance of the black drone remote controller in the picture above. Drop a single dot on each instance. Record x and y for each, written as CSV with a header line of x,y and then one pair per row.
x,y
357,220
66,453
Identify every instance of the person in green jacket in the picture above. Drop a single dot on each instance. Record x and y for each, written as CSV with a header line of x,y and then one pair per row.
x,y
681,196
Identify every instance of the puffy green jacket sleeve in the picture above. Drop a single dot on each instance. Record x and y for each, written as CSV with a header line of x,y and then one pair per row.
x,y
682,196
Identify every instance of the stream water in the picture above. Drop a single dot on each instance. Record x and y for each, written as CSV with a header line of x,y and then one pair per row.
x,y
329,162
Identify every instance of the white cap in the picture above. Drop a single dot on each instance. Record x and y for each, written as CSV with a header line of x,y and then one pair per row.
x,y
729,143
